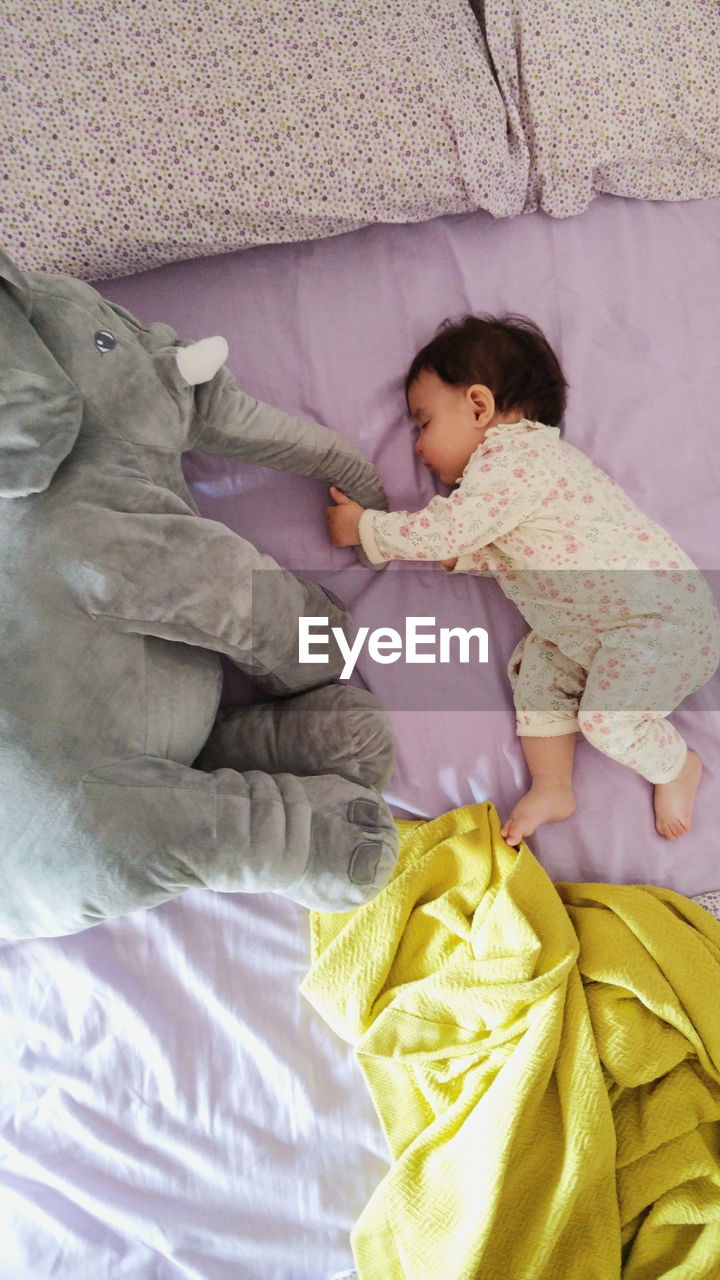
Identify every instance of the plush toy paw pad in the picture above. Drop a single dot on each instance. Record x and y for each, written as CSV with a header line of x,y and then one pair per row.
x,y
364,813
364,862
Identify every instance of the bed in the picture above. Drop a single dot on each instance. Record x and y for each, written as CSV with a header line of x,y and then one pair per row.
x,y
172,1106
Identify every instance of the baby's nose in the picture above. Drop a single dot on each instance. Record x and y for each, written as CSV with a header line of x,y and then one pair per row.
x,y
418,445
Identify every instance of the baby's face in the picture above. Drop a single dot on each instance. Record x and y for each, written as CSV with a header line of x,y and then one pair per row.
x,y
451,423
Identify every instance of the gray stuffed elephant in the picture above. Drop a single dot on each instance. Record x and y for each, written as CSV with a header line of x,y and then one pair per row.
x,y
122,783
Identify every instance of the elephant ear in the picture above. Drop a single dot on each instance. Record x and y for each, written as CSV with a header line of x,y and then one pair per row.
x,y
40,407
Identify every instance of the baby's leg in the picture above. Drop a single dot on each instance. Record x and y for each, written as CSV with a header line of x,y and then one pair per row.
x,y
644,740
650,746
550,798
547,688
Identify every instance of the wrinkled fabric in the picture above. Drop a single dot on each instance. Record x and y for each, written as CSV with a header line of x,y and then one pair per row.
x,y
269,121
289,120
610,97
545,1061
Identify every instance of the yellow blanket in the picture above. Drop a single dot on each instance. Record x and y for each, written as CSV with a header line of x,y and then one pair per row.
x,y
545,1061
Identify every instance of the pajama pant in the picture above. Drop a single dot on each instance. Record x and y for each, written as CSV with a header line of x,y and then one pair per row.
x,y
609,700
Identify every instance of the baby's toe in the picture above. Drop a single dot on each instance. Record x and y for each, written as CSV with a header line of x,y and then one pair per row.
x,y
512,832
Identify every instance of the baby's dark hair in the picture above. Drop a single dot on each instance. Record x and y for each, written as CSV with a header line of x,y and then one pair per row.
x,y
509,354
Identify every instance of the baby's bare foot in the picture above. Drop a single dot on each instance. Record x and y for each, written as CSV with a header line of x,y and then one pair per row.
x,y
546,801
674,800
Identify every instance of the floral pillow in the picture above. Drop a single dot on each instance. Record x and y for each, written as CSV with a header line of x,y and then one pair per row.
x,y
138,134
611,96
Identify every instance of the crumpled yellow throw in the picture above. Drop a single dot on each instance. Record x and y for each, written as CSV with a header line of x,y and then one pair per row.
x,y
545,1061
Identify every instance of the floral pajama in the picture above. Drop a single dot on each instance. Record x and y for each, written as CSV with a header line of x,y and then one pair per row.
x,y
554,695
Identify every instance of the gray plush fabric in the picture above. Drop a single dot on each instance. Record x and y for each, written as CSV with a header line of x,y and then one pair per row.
x,y
117,599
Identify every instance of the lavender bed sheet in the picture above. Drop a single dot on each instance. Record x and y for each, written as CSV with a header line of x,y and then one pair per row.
x,y
627,293
170,1107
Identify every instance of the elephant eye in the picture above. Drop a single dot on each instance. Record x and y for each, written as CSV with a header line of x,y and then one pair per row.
x,y
104,340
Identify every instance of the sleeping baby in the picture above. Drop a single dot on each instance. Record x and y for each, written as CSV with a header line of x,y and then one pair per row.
x,y
623,625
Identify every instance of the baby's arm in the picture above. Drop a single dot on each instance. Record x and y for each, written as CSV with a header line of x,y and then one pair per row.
x,y
435,533
476,514
444,530
438,532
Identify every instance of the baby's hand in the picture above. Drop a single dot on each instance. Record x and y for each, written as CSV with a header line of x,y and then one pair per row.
x,y
449,565
343,520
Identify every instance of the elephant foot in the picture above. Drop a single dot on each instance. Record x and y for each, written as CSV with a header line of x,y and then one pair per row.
x,y
353,846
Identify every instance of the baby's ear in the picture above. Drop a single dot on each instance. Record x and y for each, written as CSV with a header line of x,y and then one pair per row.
x,y
482,401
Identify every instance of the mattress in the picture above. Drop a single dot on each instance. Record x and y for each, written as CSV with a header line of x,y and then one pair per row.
x,y
171,1106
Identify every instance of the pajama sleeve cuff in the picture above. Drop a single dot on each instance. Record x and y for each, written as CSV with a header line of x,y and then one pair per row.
x,y
366,529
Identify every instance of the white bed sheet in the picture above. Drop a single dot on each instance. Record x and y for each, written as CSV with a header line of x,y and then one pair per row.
x,y
172,1107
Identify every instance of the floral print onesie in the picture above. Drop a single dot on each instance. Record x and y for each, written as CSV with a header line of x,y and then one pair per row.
x,y
624,626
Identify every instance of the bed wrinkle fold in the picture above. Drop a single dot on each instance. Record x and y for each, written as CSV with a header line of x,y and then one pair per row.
x,y
539,1054
608,99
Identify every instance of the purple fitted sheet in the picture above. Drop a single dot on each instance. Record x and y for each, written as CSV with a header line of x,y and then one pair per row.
x,y
627,293
171,1108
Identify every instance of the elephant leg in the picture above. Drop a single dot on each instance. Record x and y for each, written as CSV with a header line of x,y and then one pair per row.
x,y
144,830
338,729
